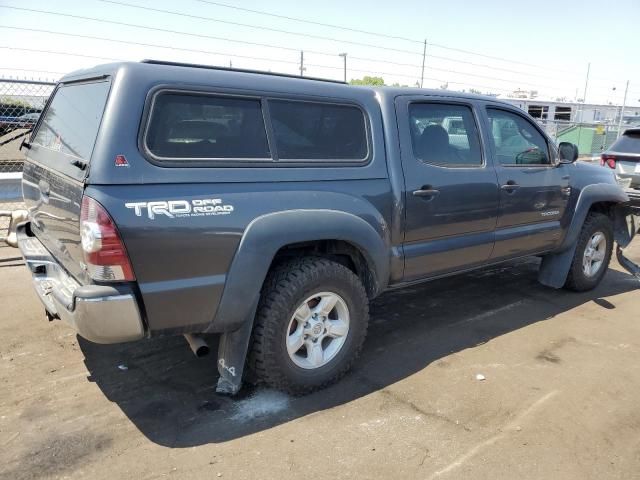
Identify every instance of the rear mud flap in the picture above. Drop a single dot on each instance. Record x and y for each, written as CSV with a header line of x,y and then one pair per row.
x,y
232,355
626,226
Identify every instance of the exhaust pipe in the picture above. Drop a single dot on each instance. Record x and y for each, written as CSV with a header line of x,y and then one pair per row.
x,y
199,347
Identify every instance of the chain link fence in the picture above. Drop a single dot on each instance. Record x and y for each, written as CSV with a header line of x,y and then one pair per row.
x,y
591,138
21,102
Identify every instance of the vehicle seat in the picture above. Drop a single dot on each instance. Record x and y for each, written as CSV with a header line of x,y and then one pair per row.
x,y
433,145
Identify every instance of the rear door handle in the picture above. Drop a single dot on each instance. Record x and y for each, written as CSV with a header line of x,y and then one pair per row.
x,y
510,186
426,191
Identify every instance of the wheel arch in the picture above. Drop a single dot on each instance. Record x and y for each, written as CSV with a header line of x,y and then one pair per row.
x,y
600,197
348,238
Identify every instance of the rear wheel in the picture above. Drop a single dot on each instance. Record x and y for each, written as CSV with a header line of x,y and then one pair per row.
x,y
310,325
593,253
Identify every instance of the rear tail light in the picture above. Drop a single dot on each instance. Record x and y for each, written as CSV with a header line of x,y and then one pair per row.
x,y
608,160
103,249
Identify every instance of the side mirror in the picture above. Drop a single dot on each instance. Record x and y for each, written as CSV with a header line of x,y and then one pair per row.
x,y
568,152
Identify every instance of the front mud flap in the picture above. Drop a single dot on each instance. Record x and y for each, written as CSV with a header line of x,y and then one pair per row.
x,y
625,229
629,266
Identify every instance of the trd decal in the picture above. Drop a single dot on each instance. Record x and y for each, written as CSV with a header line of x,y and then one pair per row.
x,y
181,208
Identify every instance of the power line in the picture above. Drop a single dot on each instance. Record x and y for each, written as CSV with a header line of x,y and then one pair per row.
x,y
266,45
30,70
394,74
164,30
57,52
259,27
155,45
310,36
311,22
468,74
413,77
22,49
178,32
377,34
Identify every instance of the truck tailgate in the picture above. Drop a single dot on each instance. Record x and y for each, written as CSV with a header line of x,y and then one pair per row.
x,y
58,158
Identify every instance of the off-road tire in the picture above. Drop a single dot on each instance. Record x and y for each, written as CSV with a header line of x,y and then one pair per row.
x,y
577,280
286,287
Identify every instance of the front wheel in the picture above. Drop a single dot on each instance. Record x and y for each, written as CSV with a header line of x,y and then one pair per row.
x,y
310,325
593,253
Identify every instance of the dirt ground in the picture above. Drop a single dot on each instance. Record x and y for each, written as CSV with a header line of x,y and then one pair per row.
x,y
560,398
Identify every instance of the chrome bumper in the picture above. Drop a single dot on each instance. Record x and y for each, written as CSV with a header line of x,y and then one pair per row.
x,y
101,314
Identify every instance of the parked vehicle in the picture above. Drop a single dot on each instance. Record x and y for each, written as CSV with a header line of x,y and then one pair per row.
x,y
172,199
8,124
623,156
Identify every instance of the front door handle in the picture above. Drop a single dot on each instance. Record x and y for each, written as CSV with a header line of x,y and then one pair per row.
x,y
510,186
426,191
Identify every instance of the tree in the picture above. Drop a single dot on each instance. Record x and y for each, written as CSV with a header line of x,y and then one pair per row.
x,y
367,80
476,91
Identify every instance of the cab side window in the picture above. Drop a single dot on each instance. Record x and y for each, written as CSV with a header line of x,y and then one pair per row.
x,y
444,135
516,141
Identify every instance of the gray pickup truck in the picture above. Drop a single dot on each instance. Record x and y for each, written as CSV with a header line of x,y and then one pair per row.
x,y
167,198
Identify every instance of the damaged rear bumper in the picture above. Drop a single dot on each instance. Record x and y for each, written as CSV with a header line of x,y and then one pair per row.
x,y
100,313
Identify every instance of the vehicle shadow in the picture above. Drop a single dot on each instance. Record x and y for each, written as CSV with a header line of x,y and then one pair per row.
x,y
169,394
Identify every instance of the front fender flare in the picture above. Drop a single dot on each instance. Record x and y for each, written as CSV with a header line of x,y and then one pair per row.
x,y
555,266
268,233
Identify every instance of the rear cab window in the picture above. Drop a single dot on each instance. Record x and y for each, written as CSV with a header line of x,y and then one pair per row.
x,y
197,126
318,131
67,132
185,127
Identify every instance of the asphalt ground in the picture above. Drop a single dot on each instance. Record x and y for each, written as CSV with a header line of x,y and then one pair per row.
x,y
488,375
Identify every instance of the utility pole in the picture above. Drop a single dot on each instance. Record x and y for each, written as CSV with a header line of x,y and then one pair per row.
x,y
584,96
344,58
302,69
624,104
584,102
230,63
424,56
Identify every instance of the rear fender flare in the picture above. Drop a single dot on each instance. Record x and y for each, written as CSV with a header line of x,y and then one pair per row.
x,y
268,233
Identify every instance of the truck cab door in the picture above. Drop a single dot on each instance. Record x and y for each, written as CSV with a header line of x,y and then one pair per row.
x,y
534,189
451,193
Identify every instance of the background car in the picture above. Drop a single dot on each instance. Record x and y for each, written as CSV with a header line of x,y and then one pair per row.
x,y
28,120
624,157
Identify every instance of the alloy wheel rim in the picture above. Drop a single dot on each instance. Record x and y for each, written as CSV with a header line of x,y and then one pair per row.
x,y
317,330
594,254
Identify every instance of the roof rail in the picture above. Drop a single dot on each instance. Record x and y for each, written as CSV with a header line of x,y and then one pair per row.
x,y
241,70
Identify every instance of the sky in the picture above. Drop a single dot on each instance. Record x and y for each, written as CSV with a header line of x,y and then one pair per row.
x,y
492,46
